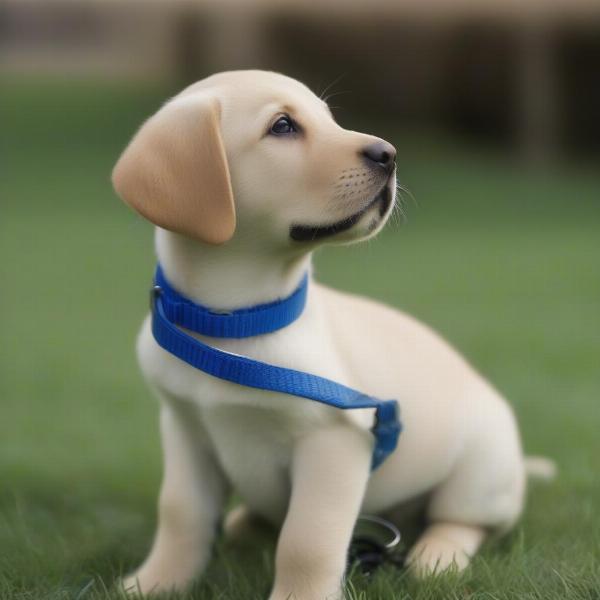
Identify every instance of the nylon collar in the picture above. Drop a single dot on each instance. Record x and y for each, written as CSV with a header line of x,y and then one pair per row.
x,y
242,323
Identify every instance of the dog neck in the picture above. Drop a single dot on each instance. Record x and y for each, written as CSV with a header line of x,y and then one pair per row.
x,y
228,278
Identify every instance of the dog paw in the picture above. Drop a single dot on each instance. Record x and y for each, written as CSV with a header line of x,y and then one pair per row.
x,y
237,522
140,585
307,595
443,547
433,557
243,525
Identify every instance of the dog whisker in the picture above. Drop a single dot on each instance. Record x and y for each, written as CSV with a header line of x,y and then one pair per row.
x,y
335,81
334,94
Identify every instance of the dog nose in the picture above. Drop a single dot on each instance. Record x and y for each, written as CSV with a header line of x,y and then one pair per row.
x,y
381,153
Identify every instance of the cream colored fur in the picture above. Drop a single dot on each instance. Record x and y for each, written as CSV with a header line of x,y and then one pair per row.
x,y
298,464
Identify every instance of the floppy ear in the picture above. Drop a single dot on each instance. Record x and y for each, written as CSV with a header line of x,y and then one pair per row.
x,y
174,172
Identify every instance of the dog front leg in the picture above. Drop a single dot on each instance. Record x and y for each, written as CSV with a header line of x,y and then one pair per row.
x,y
330,471
191,499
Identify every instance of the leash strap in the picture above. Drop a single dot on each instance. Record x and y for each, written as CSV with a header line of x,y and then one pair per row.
x,y
246,371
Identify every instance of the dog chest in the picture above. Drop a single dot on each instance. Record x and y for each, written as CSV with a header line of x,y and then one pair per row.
x,y
254,448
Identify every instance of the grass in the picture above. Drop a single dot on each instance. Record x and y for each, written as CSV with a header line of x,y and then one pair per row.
x,y
504,262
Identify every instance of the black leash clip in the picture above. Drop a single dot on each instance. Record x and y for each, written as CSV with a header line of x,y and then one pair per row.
x,y
375,542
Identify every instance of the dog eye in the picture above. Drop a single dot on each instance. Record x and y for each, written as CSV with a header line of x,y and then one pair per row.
x,y
283,126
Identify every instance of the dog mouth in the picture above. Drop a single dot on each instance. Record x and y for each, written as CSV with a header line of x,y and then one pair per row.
x,y
310,233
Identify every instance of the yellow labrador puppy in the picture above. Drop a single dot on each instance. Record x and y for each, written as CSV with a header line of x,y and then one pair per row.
x,y
244,174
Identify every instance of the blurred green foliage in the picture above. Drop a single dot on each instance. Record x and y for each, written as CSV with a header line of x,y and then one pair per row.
x,y
502,261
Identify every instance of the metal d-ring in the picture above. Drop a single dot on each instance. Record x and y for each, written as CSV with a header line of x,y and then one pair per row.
x,y
389,528
155,292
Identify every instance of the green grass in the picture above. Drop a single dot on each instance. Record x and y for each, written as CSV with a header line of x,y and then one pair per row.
x,y
504,262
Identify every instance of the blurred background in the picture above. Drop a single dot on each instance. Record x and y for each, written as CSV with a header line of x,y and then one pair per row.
x,y
494,107
523,73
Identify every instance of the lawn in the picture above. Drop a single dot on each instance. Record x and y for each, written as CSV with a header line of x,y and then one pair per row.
x,y
504,262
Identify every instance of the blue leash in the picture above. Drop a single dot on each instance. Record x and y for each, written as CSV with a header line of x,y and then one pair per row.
x,y
170,309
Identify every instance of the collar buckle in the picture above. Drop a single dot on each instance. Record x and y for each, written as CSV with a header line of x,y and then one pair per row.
x,y
155,292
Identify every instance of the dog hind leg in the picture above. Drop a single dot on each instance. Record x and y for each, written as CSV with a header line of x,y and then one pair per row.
x,y
484,493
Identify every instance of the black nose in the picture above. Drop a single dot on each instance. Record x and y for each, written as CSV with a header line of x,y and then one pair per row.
x,y
382,154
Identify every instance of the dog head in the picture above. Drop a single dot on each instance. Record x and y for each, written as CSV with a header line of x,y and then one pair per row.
x,y
253,153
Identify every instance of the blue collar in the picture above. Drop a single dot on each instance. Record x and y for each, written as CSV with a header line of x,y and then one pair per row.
x,y
171,310
242,323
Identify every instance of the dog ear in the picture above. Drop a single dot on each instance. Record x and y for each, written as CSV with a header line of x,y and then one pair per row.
x,y
174,172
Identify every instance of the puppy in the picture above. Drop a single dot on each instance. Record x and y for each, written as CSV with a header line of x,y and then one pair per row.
x,y
244,174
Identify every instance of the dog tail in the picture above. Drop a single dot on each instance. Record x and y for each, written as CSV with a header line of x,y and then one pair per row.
x,y
540,468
